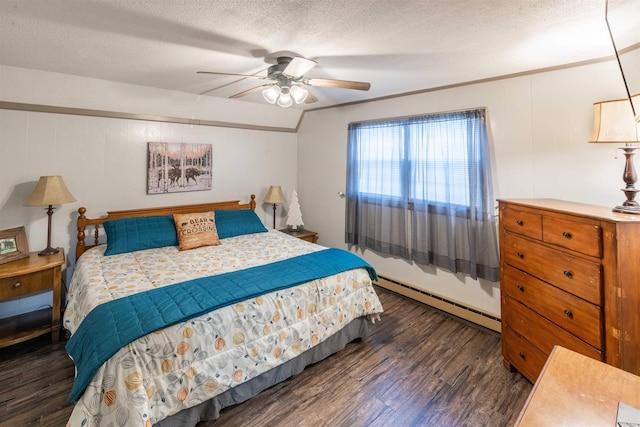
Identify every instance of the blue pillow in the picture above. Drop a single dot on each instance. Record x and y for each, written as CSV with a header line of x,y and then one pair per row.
x,y
237,222
137,233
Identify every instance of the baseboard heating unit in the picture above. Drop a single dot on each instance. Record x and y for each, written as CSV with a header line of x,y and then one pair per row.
x,y
447,305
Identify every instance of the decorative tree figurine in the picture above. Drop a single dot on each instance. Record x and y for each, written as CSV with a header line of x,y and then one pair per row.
x,y
294,217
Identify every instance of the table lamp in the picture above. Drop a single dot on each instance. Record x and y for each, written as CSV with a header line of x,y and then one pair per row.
x,y
49,191
275,196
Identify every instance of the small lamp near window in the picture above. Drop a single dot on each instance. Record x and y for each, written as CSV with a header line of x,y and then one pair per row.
x,y
275,196
49,191
614,122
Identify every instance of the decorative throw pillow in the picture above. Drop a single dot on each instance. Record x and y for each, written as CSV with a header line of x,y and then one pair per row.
x,y
196,230
134,234
236,222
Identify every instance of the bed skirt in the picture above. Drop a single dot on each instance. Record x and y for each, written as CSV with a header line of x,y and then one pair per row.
x,y
210,410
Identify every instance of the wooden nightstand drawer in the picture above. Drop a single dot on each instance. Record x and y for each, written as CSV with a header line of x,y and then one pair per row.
x,y
576,315
26,284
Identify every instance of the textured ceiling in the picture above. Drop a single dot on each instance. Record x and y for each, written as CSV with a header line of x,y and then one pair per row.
x,y
398,46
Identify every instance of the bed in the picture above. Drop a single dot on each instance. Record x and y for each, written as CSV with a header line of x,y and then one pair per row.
x,y
178,312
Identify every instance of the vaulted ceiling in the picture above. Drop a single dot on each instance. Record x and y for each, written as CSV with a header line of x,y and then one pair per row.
x,y
398,46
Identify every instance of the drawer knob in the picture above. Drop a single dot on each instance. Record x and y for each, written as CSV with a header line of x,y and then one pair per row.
x,y
522,356
519,222
568,313
520,255
17,285
521,288
566,235
568,274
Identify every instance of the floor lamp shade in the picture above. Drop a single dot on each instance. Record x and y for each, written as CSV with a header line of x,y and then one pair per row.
x,y
49,191
274,196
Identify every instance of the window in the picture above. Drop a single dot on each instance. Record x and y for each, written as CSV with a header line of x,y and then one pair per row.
x,y
420,188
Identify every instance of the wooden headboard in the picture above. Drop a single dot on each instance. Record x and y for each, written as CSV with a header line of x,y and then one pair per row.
x,y
84,222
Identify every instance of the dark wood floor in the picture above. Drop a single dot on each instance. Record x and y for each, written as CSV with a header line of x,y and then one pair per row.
x,y
418,367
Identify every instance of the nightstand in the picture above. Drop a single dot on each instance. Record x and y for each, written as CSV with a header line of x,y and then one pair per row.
x,y
308,235
25,277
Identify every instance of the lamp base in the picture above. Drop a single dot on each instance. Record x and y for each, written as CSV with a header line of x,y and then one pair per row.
x,y
629,206
49,251
627,209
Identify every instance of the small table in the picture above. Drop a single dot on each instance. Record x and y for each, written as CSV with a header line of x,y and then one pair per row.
x,y
25,277
308,235
575,390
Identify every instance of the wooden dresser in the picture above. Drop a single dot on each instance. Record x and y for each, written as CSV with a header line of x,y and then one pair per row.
x,y
569,276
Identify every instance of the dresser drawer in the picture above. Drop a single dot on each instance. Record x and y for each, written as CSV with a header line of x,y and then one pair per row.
x,y
584,237
541,332
573,274
26,284
521,222
574,314
524,356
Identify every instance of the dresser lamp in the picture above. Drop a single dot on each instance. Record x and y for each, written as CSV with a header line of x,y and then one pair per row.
x,y
275,196
614,122
618,121
49,191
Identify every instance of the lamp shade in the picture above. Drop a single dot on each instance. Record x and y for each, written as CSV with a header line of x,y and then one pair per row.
x,y
614,122
299,94
50,190
274,195
285,99
271,94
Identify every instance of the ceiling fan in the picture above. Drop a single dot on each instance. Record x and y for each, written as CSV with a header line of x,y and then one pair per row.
x,y
288,76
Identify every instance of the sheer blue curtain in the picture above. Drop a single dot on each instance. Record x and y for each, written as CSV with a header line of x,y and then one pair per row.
x,y
376,200
420,188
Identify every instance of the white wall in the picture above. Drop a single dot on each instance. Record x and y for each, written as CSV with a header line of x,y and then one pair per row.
x,y
539,128
103,162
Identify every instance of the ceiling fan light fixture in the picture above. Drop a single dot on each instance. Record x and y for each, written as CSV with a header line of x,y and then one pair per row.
x,y
285,99
287,78
299,94
271,94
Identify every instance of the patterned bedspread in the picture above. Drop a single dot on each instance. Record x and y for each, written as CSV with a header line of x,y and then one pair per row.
x,y
186,364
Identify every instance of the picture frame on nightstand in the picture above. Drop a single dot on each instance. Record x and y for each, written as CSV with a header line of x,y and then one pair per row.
x,y
13,244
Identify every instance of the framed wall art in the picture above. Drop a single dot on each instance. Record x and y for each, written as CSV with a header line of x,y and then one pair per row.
x,y
13,244
174,167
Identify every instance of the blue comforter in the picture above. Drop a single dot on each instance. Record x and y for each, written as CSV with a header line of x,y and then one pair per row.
x,y
112,325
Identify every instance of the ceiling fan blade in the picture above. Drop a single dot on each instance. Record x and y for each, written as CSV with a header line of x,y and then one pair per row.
x,y
345,84
231,74
299,66
249,91
311,98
